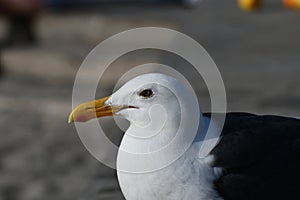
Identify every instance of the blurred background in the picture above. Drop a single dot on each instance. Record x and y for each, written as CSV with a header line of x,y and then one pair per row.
x,y
43,42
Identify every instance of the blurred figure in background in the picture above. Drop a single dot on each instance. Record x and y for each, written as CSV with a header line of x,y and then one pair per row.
x,y
21,15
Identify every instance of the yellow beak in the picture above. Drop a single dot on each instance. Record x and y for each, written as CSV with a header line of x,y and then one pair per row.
x,y
93,109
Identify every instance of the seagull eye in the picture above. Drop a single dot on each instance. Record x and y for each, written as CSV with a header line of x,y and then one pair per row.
x,y
146,93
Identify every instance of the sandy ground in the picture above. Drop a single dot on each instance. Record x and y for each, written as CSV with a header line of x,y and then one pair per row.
x,y
42,157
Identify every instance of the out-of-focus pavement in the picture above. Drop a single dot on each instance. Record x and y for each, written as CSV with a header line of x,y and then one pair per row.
x,y
41,156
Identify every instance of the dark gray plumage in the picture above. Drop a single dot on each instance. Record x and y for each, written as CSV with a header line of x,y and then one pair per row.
x,y
260,156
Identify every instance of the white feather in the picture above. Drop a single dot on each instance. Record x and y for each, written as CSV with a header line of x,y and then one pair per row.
x,y
189,177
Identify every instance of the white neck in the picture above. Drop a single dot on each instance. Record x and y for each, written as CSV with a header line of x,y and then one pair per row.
x,y
167,144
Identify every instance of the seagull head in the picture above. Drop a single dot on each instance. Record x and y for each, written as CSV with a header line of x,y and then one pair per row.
x,y
143,99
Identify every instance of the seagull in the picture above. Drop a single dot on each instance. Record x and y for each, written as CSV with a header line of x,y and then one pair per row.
x,y
257,157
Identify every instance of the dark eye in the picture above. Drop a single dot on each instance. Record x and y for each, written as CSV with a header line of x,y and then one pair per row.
x,y
146,93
